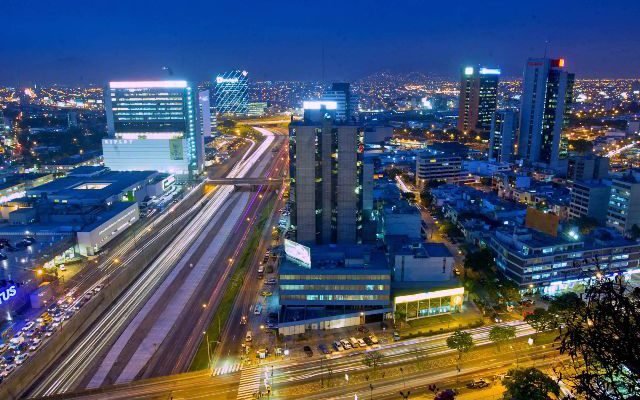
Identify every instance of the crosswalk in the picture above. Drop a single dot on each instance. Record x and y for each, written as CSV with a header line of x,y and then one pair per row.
x,y
227,369
250,379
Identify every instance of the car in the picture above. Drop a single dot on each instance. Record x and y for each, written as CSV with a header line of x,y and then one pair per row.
x,y
248,337
367,340
354,342
346,344
477,384
361,343
496,318
374,339
308,351
97,288
363,329
338,346
62,268
8,368
243,320
9,358
3,347
258,309
324,349
266,293
271,281
396,335
28,326
21,357
272,325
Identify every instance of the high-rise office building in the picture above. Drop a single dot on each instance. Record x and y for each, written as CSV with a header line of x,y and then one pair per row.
x,y
232,93
589,199
478,98
585,168
204,113
346,102
546,99
153,125
504,131
624,202
326,169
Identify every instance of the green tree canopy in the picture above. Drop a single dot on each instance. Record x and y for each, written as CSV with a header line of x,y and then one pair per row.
x,y
481,260
602,337
460,341
501,334
540,320
530,384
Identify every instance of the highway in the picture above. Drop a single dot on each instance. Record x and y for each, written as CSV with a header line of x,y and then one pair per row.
x,y
71,368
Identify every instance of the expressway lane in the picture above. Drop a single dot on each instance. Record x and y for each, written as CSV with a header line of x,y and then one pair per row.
x,y
69,371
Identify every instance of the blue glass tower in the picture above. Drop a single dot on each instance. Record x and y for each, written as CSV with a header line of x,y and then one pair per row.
x,y
232,93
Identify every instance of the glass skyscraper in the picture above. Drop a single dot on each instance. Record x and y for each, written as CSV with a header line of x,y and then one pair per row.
x,y
232,93
153,125
478,98
547,96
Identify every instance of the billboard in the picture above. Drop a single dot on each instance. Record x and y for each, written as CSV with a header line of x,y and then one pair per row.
x,y
542,222
297,253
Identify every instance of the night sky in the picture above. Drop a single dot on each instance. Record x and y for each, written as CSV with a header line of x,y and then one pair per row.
x,y
93,41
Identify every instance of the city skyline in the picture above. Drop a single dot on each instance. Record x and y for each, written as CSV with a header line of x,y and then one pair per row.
x,y
261,39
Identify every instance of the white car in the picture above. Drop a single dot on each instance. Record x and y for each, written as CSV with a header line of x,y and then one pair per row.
x,y
28,326
21,357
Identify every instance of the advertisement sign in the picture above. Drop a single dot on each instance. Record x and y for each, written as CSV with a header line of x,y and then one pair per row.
x,y
297,253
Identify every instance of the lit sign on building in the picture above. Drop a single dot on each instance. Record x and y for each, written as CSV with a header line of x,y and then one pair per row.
x,y
468,71
221,79
148,84
297,253
489,71
7,293
316,105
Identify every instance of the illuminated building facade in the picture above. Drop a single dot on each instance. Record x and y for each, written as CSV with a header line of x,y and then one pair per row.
x,y
504,130
232,93
478,98
546,100
153,125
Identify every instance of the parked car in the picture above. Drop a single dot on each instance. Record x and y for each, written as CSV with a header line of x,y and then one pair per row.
x,y
266,293
368,341
338,346
308,351
354,342
374,339
361,343
324,349
21,357
477,384
346,344
396,335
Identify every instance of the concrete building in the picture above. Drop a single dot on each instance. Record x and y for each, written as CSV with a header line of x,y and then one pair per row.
x,y
586,168
109,224
256,109
327,178
547,97
437,166
401,218
232,93
504,132
547,264
478,98
590,199
624,203
153,125
204,115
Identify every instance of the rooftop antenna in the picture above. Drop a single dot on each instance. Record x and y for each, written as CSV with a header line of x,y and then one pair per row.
x,y
169,71
546,48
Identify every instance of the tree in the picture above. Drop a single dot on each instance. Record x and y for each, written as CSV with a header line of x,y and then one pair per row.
x,y
530,384
501,334
540,320
372,359
426,198
564,305
460,341
602,338
581,146
481,260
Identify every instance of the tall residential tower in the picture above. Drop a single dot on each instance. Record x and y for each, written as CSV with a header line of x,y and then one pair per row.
x,y
547,96
504,130
478,98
